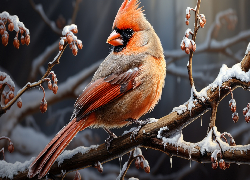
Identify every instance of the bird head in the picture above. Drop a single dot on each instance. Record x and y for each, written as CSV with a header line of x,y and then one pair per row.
x,y
128,27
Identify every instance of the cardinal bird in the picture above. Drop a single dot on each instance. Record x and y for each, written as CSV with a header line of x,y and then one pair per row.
x,y
127,84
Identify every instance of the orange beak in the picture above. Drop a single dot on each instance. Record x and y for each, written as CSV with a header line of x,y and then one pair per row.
x,y
115,39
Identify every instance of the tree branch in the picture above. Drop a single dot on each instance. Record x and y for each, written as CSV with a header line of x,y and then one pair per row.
x,y
152,136
39,9
210,44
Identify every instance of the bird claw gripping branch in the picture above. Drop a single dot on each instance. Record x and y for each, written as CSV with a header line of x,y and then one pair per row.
x,y
111,137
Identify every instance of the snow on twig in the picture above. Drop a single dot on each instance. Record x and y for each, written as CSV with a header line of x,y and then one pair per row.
x,y
212,45
224,75
15,20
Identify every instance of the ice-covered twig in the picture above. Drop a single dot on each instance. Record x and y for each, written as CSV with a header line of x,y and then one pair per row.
x,y
69,38
192,44
140,161
13,24
70,88
41,59
212,45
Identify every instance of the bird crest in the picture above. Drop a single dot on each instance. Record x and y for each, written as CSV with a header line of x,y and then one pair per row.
x,y
128,15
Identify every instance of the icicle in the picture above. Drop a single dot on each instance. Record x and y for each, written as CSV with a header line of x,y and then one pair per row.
x,y
189,151
120,161
201,120
219,91
171,161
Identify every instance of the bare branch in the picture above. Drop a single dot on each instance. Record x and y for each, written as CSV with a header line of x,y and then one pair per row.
x,y
41,59
76,7
39,9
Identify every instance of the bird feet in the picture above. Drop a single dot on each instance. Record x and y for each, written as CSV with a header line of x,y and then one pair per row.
x,y
109,139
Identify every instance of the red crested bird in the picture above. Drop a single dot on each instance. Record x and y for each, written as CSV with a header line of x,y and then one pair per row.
x,y
127,84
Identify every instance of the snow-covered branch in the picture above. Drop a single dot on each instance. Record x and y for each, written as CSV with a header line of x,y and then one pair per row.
x,y
72,87
166,133
212,45
10,99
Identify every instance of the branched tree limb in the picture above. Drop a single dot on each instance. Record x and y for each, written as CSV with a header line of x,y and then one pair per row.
x,y
148,135
211,44
39,9
32,85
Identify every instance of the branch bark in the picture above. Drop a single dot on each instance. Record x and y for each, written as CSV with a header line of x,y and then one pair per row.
x,y
147,136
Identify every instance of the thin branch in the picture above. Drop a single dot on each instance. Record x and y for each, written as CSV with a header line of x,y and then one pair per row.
x,y
41,59
148,136
39,9
210,44
126,166
76,7
35,84
196,28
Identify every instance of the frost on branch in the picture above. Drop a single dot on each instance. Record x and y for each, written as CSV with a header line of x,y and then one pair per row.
x,y
98,166
6,94
13,24
224,75
68,33
8,98
140,162
188,45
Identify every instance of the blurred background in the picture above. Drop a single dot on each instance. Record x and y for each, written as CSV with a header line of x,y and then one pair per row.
x,y
223,41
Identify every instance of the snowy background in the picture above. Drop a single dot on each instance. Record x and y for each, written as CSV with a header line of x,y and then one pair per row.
x,y
31,130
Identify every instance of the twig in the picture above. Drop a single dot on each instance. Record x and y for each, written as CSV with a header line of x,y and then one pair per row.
x,y
196,28
35,84
73,18
147,137
126,166
41,59
210,44
39,9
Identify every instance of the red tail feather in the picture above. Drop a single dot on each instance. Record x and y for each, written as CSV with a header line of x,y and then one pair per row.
x,y
47,157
